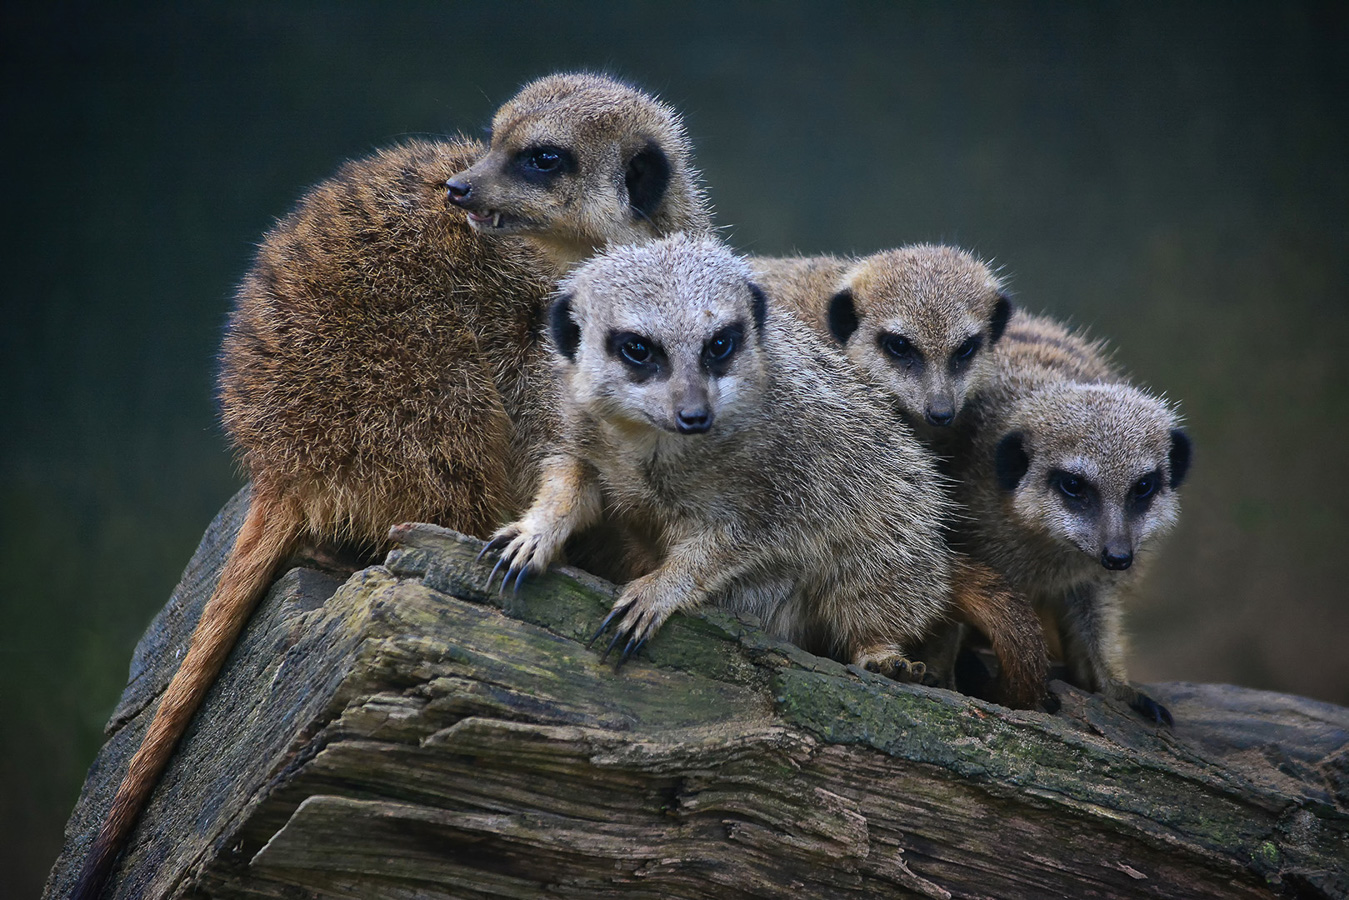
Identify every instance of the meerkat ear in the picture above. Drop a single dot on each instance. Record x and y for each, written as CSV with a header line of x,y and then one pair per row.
x,y
563,328
1002,311
842,316
1010,461
647,177
1180,457
759,309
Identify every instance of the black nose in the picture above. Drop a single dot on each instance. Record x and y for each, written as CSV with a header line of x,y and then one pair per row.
x,y
939,417
1118,562
457,192
693,421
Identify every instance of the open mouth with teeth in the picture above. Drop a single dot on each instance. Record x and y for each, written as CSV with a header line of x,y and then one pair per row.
x,y
495,220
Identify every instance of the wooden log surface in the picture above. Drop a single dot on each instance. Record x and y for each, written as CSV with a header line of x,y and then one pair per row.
x,y
406,734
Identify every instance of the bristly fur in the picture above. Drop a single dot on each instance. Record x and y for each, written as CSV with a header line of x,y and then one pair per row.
x,y
1068,474
384,361
806,502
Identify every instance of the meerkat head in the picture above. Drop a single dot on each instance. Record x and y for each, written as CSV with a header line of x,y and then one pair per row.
x,y
664,336
1094,466
920,320
578,162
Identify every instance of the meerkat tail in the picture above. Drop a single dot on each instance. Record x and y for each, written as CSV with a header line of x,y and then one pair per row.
x,y
268,535
982,599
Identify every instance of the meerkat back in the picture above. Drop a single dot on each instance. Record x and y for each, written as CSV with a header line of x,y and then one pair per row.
x,y
383,361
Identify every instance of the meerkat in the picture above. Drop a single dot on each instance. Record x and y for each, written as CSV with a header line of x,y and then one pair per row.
x,y
919,322
1069,481
384,359
739,452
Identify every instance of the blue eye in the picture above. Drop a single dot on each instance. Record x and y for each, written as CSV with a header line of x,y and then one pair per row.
x,y
1145,487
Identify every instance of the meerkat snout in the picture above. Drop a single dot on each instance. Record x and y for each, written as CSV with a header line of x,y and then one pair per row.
x,y
1117,558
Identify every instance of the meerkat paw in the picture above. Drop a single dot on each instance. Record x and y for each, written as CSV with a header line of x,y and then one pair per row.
x,y
522,550
638,612
1139,701
891,663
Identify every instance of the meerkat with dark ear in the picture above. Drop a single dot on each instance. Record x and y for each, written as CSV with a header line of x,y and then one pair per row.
x,y
1069,483
741,454
919,321
384,361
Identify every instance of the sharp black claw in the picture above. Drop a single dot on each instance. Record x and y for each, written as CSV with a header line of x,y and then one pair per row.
x,y
612,644
519,580
1159,714
491,576
496,543
604,626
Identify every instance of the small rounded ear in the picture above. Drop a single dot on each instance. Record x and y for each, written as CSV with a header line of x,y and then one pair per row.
x,y
1010,461
1180,457
842,316
647,177
1002,311
759,308
565,332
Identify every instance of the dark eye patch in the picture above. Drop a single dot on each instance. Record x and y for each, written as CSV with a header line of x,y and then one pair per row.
x,y
542,163
965,353
643,356
900,350
1076,491
1144,489
720,349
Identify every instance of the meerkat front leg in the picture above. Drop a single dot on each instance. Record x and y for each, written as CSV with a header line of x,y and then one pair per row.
x,y
890,660
1093,650
568,501
693,571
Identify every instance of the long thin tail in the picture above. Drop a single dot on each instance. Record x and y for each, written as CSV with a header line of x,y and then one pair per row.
x,y
983,600
268,535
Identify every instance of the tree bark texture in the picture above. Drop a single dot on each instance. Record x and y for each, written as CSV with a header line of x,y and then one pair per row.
x,y
407,734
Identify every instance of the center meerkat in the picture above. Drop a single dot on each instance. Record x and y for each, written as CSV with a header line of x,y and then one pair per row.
x,y
384,361
742,455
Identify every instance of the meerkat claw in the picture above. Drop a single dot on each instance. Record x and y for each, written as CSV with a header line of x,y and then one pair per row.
x,y
1153,710
604,626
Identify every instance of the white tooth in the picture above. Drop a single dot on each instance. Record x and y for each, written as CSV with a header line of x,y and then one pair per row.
x,y
496,220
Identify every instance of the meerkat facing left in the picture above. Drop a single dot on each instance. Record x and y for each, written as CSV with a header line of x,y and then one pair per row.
x,y
740,453
383,361
1069,480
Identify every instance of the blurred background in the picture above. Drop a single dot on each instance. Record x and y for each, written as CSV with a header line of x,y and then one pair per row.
x,y
1171,176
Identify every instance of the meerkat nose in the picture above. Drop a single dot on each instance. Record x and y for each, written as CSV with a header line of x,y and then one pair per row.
x,y
693,421
939,417
1116,561
458,192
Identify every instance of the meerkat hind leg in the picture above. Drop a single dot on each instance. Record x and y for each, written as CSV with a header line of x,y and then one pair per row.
x,y
890,660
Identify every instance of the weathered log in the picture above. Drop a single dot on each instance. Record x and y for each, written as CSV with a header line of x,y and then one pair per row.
x,y
412,736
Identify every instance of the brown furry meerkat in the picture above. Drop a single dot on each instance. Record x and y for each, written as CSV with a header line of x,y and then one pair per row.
x,y
741,455
919,321
1069,480
383,362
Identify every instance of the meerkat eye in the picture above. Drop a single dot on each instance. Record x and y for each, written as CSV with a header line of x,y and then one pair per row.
x,y
966,351
535,163
1069,485
1145,487
900,349
635,351
719,349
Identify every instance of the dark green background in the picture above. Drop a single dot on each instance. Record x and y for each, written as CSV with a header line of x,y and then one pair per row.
x,y
1172,176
